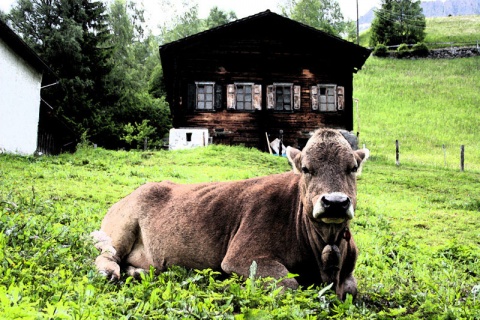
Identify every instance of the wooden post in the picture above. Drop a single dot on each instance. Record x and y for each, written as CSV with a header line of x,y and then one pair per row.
x,y
145,143
358,117
268,143
281,143
462,157
397,153
444,155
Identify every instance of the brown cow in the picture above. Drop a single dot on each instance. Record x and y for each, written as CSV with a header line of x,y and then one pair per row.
x,y
295,222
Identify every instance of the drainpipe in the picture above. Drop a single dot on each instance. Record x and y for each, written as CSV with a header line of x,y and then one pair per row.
x,y
358,117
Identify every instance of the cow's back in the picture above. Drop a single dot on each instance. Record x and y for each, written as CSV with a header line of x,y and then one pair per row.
x,y
195,225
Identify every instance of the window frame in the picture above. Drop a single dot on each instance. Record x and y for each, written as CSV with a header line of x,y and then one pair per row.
x,y
337,99
232,96
213,93
295,97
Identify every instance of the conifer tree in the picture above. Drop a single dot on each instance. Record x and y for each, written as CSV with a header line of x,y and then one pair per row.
x,y
397,22
72,37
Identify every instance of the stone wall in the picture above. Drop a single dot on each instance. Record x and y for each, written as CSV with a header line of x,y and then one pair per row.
x,y
446,53
454,53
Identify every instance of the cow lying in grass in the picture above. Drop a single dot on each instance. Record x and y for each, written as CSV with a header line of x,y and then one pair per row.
x,y
295,222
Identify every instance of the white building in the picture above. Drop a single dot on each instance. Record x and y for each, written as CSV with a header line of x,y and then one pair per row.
x,y
185,138
21,75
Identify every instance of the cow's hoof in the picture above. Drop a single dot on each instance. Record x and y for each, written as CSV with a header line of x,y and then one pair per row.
x,y
111,276
135,272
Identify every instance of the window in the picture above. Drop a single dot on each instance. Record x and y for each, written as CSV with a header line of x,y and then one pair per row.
x,y
244,97
205,95
283,97
327,97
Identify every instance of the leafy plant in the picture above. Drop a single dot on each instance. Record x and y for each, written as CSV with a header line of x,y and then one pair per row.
x,y
403,51
420,50
380,50
138,134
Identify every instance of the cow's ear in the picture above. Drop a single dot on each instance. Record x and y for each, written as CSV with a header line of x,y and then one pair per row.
x,y
362,155
294,156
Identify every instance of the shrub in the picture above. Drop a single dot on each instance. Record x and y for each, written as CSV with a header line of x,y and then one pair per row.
x,y
380,50
403,51
420,50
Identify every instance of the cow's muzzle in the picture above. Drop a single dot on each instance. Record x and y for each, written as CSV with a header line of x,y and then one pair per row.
x,y
333,207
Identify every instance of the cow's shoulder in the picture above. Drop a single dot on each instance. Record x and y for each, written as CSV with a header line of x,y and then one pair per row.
x,y
155,192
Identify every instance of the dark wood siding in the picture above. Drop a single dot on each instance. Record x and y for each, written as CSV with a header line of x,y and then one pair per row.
x,y
265,49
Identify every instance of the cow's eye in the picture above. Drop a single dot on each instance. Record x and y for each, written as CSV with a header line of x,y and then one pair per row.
x,y
305,170
354,169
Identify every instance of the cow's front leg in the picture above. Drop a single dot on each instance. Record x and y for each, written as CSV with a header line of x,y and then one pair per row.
x,y
349,285
107,262
265,268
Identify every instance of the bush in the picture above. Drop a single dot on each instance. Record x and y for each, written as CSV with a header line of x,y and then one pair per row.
x,y
403,51
380,50
420,50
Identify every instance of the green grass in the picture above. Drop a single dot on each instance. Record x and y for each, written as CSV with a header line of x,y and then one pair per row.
x,y
424,104
417,225
459,29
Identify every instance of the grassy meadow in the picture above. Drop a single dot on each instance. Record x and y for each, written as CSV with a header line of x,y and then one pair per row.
x,y
458,29
425,104
417,225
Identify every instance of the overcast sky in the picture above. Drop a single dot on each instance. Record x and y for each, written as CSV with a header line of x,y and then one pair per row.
x,y
156,11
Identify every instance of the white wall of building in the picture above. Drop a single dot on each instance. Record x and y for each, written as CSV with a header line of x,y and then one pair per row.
x,y
19,103
187,138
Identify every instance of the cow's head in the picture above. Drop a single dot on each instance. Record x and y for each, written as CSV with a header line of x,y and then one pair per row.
x,y
328,167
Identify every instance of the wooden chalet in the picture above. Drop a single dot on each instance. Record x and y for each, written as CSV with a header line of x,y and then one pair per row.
x,y
261,74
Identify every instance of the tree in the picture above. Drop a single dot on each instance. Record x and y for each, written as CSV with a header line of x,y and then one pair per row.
x,y
398,21
72,37
104,62
183,25
218,17
135,57
324,15
188,23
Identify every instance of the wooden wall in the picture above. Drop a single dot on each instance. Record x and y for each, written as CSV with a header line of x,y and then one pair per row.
x,y
261,52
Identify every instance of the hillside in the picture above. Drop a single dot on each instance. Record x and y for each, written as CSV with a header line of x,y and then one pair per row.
x,y
425,104
459,29
436,8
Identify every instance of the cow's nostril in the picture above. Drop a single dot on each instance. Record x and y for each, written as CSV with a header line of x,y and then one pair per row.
x,y
335,200
346,203
325,202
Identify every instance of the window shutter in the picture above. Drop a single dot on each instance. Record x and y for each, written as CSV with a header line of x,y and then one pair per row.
x,y
340,98
314,97
191,96
231,96
218,96
257,96
270,97
297,91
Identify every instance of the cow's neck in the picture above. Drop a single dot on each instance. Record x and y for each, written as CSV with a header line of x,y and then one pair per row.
x,y
318,235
